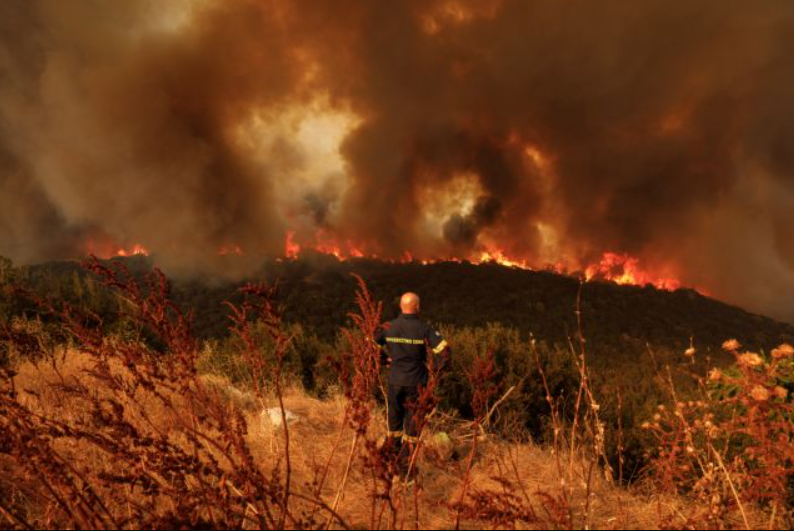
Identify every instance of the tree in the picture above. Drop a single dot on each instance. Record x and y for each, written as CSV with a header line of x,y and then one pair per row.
x,y
8,276
6,271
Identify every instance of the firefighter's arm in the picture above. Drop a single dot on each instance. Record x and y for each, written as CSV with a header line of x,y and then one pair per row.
x,y
440,350
380,341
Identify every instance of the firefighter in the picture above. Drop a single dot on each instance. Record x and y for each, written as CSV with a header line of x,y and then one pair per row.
x,y
406,342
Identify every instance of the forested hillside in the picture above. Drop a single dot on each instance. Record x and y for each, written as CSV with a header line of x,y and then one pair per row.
x,y
317,292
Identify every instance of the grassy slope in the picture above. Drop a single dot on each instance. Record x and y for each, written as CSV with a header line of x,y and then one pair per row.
x,y
313,439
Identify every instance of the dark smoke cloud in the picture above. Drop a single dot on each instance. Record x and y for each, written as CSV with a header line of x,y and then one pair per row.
x,y
462,231
666,130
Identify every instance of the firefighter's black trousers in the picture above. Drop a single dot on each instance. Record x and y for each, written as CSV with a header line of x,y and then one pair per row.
x,y
403,424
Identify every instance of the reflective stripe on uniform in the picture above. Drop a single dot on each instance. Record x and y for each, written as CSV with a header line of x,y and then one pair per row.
x,y
396,434
404,341
440,348
409,439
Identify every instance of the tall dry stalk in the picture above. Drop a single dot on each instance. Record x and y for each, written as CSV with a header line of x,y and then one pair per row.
x,y
364,358
195,469
481,379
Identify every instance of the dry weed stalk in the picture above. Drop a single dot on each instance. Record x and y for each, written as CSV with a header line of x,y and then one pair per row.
x,y
359,372
587,429
481,380
196,468
259,305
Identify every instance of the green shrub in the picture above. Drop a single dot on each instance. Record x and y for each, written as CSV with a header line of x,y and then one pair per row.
x,y
525,414
304,365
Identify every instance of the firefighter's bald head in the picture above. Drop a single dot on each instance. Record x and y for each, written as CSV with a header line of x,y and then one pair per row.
x,y
409,303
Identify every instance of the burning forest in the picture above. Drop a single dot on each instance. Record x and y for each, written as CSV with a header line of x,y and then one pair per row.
x,y
415,264
644,143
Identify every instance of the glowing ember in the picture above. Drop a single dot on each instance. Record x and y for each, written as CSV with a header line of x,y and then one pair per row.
x,y
104,247
331,248
228,250
136,250
323,244
499,257
291,249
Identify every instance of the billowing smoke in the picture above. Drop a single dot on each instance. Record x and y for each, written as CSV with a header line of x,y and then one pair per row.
x,y
551,131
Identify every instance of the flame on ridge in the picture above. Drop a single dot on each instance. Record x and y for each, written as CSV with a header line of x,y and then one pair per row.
x,y
625,270
620,268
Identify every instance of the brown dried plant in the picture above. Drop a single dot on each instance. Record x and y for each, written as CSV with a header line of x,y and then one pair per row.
x,y
195,469
732,449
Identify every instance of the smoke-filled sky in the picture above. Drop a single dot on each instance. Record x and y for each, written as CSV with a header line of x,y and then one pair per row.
x,y
551,131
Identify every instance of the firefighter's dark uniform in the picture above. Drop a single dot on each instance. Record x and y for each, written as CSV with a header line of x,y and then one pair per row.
x,y
407,340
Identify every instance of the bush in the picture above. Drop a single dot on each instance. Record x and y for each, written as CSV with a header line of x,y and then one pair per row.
x,y
527,411
305,364
733,447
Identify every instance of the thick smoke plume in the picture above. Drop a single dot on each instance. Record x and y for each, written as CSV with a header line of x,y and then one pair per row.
x,y
550,131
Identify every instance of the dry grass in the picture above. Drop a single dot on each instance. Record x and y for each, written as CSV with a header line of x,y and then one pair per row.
x,y
314,437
